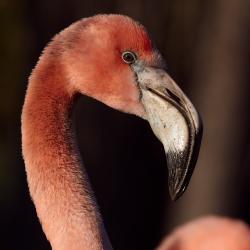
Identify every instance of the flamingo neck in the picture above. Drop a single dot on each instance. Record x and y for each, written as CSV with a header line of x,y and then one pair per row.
x,y
57,181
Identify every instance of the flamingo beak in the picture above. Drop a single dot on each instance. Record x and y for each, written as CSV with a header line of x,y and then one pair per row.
x,y
175,123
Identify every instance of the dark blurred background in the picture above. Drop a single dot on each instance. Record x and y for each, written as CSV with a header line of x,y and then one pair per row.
x,y
206,46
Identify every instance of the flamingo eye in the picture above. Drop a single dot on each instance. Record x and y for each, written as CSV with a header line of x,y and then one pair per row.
x,y
129,57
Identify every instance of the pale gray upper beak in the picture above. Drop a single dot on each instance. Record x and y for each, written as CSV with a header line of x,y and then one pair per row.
x,y
174,121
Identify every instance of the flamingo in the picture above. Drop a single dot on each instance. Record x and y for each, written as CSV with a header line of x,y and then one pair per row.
x,y
110,58
209,232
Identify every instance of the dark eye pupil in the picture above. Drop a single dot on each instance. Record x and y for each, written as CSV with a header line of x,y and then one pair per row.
x,y
128,57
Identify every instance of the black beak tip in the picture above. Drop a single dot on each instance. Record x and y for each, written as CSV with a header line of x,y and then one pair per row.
x,y
179,173
175,194
181,169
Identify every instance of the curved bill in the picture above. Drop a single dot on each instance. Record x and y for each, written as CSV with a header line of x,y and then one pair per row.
x,y
175,122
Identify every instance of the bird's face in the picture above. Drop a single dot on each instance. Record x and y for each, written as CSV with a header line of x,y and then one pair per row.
x,y
114,61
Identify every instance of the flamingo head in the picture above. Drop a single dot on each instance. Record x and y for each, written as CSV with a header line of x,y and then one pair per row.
x,y
111,58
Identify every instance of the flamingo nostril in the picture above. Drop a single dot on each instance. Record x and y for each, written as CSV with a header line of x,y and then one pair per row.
x,y
173,96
